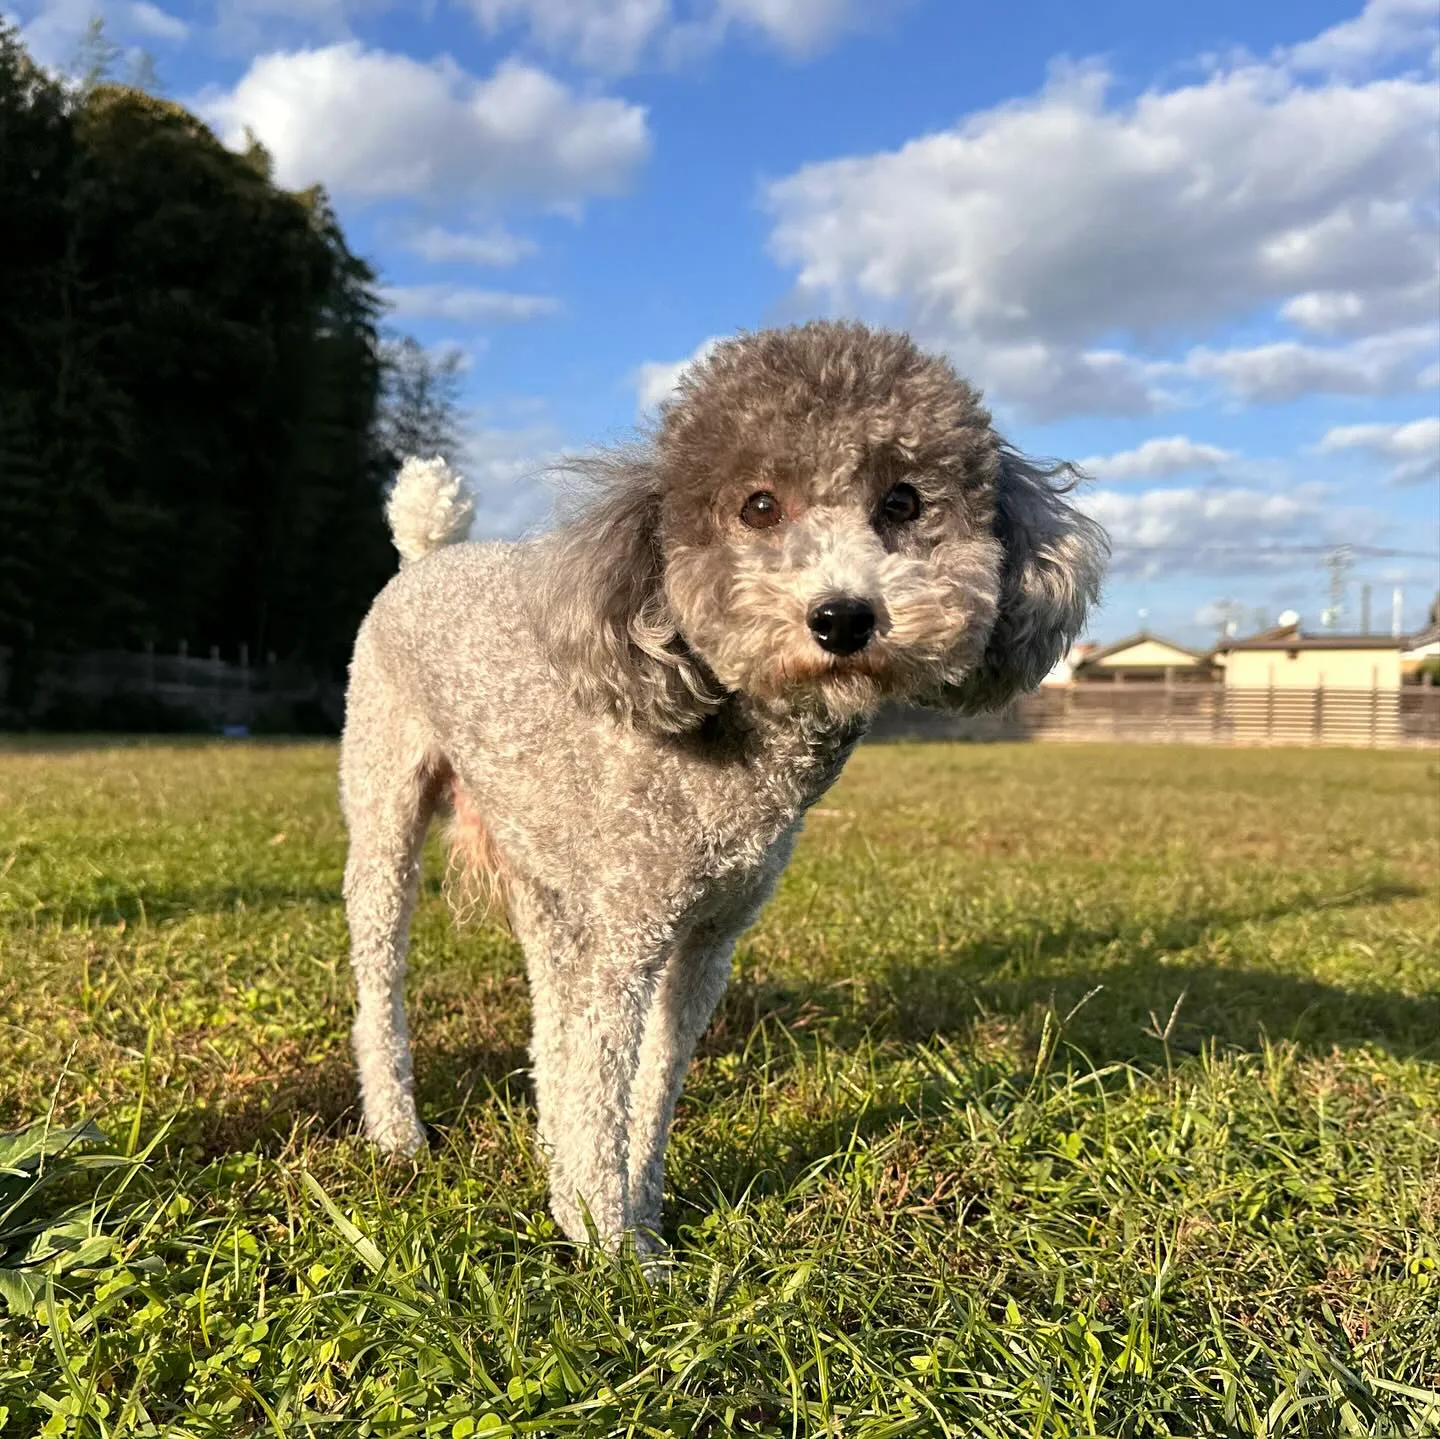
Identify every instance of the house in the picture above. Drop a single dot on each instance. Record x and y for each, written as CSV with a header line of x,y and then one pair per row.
x,y
1361,689
1291,660
1420,659
1064,671
1144,659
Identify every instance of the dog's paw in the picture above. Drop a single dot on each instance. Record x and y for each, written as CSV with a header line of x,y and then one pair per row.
x,y
655,1259
399,1139
659,1270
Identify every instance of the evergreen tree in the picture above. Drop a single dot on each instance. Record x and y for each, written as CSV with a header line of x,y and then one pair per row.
x,y
190,446
420,407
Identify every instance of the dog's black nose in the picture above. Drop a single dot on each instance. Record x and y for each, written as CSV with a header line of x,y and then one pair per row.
x,y
842,626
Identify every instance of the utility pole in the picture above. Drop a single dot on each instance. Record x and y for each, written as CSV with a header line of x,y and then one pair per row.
x,y
1227,619
1364,609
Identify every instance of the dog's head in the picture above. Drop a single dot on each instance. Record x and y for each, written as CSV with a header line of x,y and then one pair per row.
x,y
824,520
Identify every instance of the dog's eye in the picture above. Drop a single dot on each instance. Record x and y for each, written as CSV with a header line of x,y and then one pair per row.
x,y
761,511
901,504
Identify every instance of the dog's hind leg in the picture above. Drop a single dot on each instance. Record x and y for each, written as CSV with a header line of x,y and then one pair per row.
x,y
390,782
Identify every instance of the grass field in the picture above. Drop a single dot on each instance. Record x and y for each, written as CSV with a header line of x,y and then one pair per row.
x,y
1060,1092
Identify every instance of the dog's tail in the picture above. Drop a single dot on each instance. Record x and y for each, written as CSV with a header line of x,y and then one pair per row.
x,y
429,506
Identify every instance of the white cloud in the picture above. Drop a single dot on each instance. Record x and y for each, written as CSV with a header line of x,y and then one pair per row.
x,y
1073,222
799,26
655,380
1286,369
605,34
495,246
158,24
1157,459
465,305
56,29
617,34
1215,613
1385,28
1411,446
1220,530
1347,312
1047,381
373,124
246,27
509,471
1066,218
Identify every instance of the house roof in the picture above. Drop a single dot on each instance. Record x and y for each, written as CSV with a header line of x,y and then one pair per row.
x,y
1276,632
1428,636
1139,638
1299,641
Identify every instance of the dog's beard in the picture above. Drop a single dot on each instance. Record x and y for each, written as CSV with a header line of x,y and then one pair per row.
x,y
749,621
925,637
801,676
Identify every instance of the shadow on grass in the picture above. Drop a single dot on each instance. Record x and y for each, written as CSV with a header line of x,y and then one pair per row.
x,y
985,991
160,905
322,1100
1014,984
1133,999
83,742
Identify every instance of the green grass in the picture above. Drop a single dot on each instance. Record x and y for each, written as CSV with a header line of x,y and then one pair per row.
x,y
1060,1092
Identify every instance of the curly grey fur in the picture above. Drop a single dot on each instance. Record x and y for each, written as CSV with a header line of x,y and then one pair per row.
x,y
604,622
633,716
1054,562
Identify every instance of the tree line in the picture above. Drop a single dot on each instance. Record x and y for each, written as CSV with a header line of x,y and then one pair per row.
x,y
198,411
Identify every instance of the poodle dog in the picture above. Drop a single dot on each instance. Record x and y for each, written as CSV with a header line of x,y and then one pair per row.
x,y
629,716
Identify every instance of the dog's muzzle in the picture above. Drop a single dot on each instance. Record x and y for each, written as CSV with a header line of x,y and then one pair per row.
x,y
842,626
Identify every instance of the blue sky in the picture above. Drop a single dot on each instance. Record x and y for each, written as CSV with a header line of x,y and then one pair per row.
x,y
1193,247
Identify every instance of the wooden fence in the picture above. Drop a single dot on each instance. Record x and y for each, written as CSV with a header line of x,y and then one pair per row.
x,y
123,690
118,690
1193,714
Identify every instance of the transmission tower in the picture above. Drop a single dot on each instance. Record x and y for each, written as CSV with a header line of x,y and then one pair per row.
x,y
1338,563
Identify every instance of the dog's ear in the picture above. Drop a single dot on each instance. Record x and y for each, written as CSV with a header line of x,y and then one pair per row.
x,y
1053,561
607,628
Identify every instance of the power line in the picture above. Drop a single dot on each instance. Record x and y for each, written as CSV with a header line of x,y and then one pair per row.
x,y
1263,551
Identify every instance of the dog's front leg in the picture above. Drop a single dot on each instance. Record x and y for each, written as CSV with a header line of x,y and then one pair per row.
x,y
691,984
589,1023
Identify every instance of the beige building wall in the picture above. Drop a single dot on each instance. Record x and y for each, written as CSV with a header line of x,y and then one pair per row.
x,y
1308,669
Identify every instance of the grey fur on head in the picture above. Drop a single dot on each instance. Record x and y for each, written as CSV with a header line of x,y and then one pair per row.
x,y
629,717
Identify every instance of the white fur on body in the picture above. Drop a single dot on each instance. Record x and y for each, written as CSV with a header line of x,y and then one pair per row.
x,y
631,716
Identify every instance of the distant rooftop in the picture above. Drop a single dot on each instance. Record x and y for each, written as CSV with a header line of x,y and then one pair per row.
x,y
1141,637
1327,640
